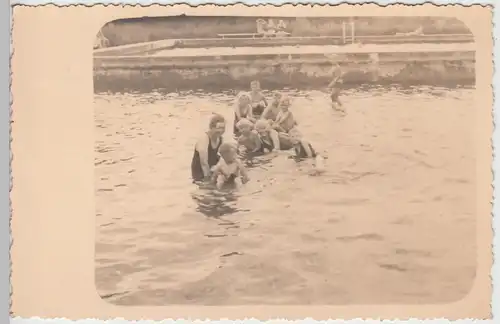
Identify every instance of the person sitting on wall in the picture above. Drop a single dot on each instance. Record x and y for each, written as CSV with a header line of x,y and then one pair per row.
x,y
417,32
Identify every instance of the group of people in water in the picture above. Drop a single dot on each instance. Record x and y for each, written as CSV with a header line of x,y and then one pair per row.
x,y
260,127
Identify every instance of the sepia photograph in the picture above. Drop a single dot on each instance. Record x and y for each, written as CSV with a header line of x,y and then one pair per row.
x,y
276,160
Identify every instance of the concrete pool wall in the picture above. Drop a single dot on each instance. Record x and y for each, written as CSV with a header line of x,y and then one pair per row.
x,y
278,67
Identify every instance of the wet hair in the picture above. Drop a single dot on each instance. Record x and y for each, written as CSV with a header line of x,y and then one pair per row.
x,y
244,122
226,148
295,132
285,100
215,119
242,95
261,124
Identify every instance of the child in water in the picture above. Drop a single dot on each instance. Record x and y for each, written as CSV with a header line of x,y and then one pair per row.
x,y
272,110
229,170
242,109
258,100
304,150
269,138
248,138
334,88
284,121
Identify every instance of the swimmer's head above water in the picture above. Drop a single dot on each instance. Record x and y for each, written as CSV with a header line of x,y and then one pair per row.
x,y
244,126
295,136
255,85
285,103
228,152
243,99
262,126
217,125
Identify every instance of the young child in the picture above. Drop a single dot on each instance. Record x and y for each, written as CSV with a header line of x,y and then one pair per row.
x,y
304,150
229,169
272,110
284,121
258,100
269,138
335,86
248,138
242,109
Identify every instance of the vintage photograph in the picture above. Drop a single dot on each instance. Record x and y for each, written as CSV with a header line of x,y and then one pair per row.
x,y
284,160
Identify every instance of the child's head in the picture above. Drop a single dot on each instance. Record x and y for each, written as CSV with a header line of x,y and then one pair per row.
x,y
243,99
217,125
262,126
255,85
295,136
285,103
244,126
228,152
277,96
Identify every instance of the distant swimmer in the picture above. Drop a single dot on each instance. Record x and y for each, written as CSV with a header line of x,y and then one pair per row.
x,y
229,170
304,150
242,109
335,86
258,100
205,154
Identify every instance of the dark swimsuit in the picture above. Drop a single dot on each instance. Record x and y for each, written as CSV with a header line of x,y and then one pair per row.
x,y
269,146
257,111
300,152
213,159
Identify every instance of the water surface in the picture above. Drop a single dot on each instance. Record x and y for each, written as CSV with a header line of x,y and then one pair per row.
x,y
391,221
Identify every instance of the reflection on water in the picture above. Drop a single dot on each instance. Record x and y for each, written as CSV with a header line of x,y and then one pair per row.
x,y
392,219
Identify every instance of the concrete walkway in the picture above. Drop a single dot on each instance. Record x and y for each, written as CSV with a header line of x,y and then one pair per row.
x,y
314,49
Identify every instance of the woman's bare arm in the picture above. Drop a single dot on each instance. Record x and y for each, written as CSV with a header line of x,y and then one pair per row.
x,y
202,148
237,111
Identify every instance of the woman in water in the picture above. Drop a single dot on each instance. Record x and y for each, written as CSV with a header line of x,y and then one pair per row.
x,y
242,109
273,109
205,154
304,150
257,98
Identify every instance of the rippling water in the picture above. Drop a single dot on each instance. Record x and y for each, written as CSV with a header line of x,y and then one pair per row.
x,y
391,221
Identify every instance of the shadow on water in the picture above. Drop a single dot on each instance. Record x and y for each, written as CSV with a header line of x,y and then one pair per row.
x,y
213,202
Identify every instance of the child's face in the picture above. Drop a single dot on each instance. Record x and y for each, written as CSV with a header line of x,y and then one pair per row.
x,y
277,96
262,131
229,155
284,106
244,100
255,86
295,138
245,129
219,129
